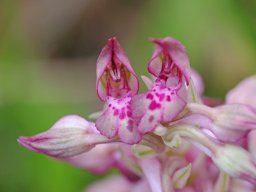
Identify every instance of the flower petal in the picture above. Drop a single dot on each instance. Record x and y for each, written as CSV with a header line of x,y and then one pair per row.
x,y
152,169
98,160
117,120
198,81
244,92
160,104
113,184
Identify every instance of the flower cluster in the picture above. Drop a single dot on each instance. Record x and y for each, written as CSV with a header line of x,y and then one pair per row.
x,y
170,138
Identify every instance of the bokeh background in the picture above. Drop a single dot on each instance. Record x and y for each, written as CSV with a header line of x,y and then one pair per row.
x,y
48,50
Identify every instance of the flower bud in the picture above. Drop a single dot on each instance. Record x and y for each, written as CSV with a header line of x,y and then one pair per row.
x,y
244,92
235,116
232,122
70,136
236,162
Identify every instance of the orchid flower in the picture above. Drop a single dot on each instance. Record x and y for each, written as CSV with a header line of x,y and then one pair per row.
x,y
171,138
116,84
169,93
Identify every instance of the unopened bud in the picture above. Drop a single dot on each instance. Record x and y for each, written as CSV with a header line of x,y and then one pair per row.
x,y
70,136
236,162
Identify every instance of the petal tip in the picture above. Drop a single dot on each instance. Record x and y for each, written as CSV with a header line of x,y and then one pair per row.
x,y
25,142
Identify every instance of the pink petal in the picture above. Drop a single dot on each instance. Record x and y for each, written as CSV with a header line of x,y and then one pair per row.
x,y
160,104
151,168
74,121
252,143
107,124
141,185
139,105
244,92
111,184
98,160
129,134
173,107
117,120
198,81
149,121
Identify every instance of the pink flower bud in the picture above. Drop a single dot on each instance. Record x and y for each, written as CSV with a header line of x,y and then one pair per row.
x,y
236,162
244,92
232,122
229,123
70,136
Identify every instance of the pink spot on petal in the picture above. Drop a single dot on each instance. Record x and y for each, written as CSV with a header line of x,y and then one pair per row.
x,y
154,105
150,96
129,113
151,118
168,98
130,125
160,96
122,114
116,112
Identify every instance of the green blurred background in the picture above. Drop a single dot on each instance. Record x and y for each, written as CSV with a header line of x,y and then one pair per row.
x,y
48,50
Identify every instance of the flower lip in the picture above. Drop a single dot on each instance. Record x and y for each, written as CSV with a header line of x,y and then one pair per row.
x,y
173,55
115,76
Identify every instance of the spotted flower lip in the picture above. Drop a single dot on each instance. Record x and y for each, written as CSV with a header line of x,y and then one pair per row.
x,y
117,120
169,93
115,76
159,105
169,57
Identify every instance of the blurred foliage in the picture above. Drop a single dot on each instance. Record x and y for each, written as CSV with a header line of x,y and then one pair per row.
x,y
220,37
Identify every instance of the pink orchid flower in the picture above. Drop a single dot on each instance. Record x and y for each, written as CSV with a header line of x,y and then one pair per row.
x,y
116,84
169,93
165,139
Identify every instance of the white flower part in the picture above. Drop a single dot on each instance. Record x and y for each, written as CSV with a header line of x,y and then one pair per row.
x,y
174,142
148,82
181,176
235,161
